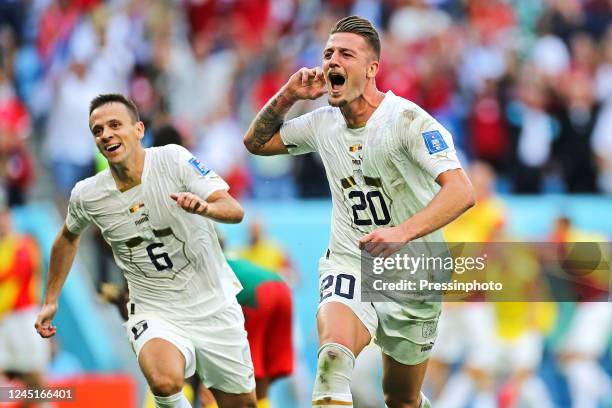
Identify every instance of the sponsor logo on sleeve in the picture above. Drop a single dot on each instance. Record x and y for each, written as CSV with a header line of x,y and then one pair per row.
x,y
199,166
434,141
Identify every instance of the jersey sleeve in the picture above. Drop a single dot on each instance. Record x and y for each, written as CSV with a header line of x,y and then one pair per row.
x,y
76,217
299,134
194,176
428,143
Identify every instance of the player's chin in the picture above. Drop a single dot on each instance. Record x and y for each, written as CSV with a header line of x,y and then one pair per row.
x,y
114,157
113,160
337,101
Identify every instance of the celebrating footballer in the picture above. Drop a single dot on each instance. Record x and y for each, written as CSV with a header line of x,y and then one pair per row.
x,y
155,207
395,178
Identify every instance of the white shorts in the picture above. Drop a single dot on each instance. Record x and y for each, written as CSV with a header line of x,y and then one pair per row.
x,y
215,347
404,331
21,349
590,329
467,330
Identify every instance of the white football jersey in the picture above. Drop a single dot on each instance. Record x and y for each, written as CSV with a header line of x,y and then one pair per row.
x,y
171,259
380,174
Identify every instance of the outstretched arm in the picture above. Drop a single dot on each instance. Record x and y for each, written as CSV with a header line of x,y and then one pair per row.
x,y
220,206
263,136
62,255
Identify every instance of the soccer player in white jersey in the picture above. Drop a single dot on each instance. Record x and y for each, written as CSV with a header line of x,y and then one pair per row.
x,y
385,160
155,207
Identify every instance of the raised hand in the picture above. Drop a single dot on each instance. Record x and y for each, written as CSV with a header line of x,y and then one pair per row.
x,y
307,83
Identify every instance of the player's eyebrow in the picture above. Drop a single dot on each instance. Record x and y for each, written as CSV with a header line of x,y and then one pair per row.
x,y
108,122
341,49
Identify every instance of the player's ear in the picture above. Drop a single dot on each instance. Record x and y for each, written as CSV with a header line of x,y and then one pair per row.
x,y
372,69
140,128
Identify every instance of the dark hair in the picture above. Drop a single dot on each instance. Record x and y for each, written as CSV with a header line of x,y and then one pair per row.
x,y
118,98
362,27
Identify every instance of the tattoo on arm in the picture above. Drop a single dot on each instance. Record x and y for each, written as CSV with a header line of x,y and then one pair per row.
x,y
267,123
270,119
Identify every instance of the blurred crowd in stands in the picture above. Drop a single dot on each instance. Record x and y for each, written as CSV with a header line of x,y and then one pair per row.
x,y
525,85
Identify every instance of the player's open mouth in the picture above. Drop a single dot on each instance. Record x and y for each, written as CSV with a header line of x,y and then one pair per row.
x,y
113,147
336,81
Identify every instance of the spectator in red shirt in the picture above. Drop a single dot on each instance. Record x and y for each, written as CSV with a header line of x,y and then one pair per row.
x,y
23,354
16,166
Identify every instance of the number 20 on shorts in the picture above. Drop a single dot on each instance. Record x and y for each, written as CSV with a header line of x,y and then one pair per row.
x,y
344,286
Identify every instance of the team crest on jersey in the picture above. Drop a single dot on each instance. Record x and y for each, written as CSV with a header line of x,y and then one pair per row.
x,y
199,166
434,141
136,207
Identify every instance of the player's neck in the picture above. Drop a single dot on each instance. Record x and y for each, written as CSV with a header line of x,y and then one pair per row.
x,y
128,174
357,113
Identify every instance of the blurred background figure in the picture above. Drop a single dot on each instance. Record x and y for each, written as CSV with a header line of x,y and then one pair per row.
x,y
533,132
16,162
267,306
266,253
577,118
601,142
521,326
579,355
466,335
23,355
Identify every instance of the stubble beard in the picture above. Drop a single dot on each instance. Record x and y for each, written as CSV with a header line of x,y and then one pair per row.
x,y
337,104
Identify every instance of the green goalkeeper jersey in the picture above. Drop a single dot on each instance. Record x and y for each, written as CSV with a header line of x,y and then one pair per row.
x,y
251,277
